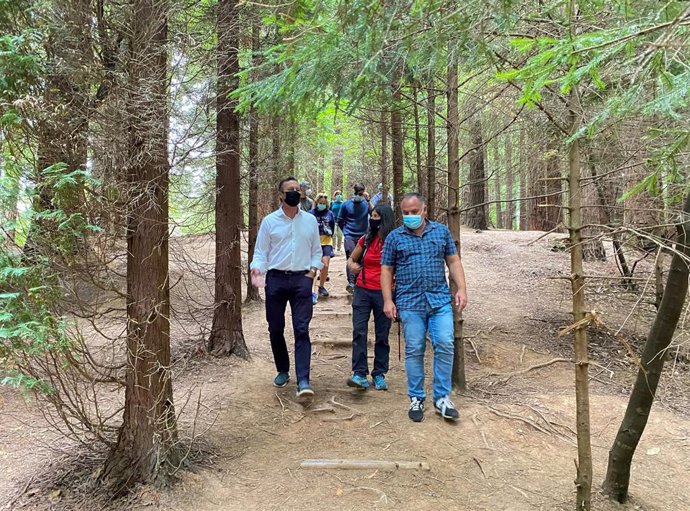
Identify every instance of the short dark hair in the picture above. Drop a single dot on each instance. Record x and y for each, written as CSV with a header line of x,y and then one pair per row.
x,y
285,180
414,195
359,188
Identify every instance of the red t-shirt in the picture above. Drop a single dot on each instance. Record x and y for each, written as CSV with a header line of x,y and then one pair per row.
x,y
370,276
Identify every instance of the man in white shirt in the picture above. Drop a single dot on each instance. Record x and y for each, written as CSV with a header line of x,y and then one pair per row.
x,y
288,251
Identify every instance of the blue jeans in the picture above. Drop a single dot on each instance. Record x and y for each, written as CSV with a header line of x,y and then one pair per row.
x,y
439,323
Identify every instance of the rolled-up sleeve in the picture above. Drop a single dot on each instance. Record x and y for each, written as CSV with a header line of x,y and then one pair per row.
x,y
260,259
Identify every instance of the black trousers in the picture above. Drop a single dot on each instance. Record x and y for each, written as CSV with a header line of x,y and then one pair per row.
x,y
281,288
350,243
364,302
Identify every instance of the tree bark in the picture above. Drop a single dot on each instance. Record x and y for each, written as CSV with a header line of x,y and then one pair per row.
x,y
418,143
476,216
652,364
146,448
545,215
397,145
510,205
583,481
458,376
524,172
497,185
384,154
338,157
227,337
431,151
253,221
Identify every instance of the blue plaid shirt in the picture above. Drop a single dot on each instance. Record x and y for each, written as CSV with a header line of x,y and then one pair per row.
x,y
419,265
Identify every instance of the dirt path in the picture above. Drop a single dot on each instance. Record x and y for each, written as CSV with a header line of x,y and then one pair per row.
x,y
513,448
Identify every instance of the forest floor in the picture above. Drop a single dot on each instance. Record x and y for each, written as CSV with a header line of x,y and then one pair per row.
x,y
513,448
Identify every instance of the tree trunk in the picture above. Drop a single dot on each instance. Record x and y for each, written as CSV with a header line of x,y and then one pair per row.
x,y
431,151
397,146
458,375
545,215
276,160
338,156
253,227
146,449
652,364
583,481
226,332
524,172
418,143
384,155
497,185
510,205
476,214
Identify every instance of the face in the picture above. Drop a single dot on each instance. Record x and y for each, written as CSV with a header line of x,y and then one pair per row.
x,y
322,200
289,186
413,206
375,215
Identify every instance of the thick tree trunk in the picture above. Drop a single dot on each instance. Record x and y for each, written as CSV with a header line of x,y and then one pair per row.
x,y
476,216
276,159
397,146
510,205
146,448
227,337
652,364
497,185
458,376
253,206
431,151
583,481
545,215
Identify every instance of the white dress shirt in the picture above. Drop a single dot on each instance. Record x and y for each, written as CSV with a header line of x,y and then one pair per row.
x,y
289,244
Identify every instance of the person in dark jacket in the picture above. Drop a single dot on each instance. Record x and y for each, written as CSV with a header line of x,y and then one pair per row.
x,y
354,221
326,221
336,204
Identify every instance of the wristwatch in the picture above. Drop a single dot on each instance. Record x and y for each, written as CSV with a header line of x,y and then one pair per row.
x,y
313,270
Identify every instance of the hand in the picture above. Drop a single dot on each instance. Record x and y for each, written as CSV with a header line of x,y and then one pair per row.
x,y
255,272
460,299
354,267
311,274
390,310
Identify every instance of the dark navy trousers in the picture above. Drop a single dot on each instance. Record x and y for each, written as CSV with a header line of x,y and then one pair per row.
x,y
364,302
281,288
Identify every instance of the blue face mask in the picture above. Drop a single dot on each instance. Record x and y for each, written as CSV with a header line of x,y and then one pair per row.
x,y
338,198
321,207
412,221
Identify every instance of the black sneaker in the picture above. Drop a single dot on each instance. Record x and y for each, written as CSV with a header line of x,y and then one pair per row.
x,y
323,292
416,411
446,408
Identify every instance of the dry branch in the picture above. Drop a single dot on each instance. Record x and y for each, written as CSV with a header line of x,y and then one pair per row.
x,y
344,464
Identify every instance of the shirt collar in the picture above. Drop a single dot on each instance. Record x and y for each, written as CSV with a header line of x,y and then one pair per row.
x,y
282,212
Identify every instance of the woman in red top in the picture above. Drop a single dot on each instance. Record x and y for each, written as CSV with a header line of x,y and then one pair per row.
x,y
365,262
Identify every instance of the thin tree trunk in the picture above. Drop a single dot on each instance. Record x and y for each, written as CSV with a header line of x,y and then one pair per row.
x,y
431,150
292,144
276,162
458,375
497,185
652,364
384,155
524,172
338,156
418,142
227,337
397,145
252,290
545,215
146,449
583,481
510,205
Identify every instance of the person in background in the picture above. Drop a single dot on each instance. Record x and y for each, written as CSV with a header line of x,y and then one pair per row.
x,y
326,220
354,221
336,204
305,201
288,251
365,262
378,197
417,254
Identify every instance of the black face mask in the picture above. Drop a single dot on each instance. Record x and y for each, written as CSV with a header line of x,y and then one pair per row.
x,y
374,225
292,198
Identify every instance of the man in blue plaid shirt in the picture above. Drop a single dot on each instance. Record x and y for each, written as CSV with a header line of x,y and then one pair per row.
x,y
417,254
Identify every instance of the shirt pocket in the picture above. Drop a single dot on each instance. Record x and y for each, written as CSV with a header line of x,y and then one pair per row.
x,y
437,248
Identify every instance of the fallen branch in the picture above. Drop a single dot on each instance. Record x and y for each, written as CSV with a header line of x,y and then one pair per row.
x,y
508,376
343,464
476,351
519,418
344,407
335,419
